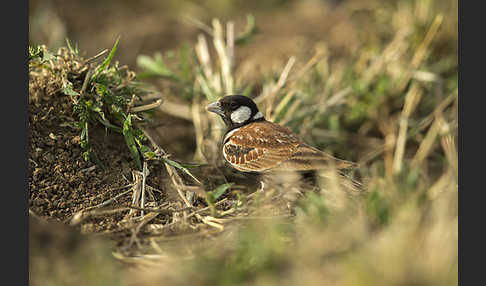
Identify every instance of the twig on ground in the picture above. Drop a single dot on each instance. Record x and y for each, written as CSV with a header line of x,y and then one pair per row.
x,y
144,180
81,216
145,219
161,211
149,106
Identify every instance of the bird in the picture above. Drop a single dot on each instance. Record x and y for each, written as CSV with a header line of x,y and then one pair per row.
x,y
253,144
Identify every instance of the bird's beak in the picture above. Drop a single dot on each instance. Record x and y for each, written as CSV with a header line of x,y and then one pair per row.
x,y
215,107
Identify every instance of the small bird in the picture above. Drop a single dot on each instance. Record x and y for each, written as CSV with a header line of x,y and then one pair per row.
x,y
253,144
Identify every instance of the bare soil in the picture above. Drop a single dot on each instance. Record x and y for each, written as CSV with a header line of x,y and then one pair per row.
x,y
61,182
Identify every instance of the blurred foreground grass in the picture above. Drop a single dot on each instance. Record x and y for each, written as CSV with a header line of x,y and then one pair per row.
x,y
392,107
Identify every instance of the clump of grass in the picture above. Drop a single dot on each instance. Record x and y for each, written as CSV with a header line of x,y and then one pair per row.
x,y
104,93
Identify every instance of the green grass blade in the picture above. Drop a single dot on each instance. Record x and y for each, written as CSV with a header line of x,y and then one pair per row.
x,y
180,167
130,141
154,66
250,30
107,61
220,190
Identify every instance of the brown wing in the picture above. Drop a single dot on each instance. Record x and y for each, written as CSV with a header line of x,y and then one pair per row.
x,y
266,146
259,146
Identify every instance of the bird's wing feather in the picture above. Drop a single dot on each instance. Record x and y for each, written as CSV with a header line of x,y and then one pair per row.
x,y
263,146
260,146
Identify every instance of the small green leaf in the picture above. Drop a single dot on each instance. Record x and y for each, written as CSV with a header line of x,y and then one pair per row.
x,y
181,167
107,123
212,196
70,47
86,156
97,109
84,131
185,65
190,165
149,154
47,56
250,30
101,89
107,61
219,191
69,91
145,149
36,52
154,66
173,163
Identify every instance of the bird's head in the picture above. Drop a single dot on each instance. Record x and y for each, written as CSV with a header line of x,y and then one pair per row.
x,y
236,110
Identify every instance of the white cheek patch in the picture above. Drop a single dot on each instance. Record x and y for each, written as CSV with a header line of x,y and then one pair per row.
x,y
240,115
258,115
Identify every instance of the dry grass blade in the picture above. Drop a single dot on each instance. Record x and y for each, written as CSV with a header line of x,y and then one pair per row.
x,y
411,101
177,110
85,84
202,53
440,108
207,208
282,104
394,49
199,24
291,111
388,129
93,58
443,184
421,50
174,176
230,43
161,211
145,219
448,144
277,86
426,145
145,173
450,150
146,107
81,216
198,128
137,186
223,56
177,181
249,218
336,99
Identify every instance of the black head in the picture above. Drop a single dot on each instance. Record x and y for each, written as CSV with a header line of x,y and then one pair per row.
x,y
236,110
